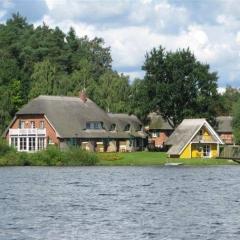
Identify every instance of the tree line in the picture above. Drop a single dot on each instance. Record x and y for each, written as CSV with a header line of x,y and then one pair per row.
x,y
42,60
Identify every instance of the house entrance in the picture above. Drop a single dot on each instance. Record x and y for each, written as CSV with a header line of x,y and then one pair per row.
x,y
206,150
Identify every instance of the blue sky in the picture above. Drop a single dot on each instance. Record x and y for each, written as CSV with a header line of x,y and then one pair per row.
x,y
210,28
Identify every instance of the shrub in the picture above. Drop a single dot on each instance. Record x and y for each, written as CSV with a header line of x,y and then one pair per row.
x,y
77,156
4,147
52,156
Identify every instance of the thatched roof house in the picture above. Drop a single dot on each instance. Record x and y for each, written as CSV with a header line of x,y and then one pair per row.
x,y
194,138
71,120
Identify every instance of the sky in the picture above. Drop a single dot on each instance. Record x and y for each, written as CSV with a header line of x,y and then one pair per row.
x,y
210,28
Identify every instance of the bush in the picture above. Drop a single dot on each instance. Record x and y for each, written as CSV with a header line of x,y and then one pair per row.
x,y
4,147
52,156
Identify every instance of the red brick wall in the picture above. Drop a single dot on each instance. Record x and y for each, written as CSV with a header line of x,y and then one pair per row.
x,y
226,137
51,134
163,136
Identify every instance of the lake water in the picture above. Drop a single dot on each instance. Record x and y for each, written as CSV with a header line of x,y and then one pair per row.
x,y
111,203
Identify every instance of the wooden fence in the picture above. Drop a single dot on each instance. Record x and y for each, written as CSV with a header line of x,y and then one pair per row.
x,y
230,152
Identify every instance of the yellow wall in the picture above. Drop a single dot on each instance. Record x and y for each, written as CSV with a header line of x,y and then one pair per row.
x,y
186,152
196,152
193,151
206,136
214,150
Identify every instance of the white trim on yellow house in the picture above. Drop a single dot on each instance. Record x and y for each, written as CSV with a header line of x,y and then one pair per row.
x,y
211,130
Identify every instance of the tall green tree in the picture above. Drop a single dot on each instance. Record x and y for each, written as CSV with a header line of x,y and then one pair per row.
x,y
179,86
236,122
228,100
139,99
44,79
112,92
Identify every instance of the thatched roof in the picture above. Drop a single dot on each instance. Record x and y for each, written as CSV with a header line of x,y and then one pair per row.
x,y
69,115
158,123
185,132
224,124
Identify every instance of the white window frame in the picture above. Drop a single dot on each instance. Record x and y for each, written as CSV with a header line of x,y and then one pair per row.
x,y
14,142
23,144
41,143
206,151
32,124
42,125
31,143
21,124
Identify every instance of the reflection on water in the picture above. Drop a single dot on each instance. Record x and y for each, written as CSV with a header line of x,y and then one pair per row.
x,y
120,203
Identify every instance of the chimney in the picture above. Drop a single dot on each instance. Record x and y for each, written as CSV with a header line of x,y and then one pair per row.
x,y
83,95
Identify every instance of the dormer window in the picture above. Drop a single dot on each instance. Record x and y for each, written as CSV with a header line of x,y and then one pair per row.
x,y
113,127
94,125
127,127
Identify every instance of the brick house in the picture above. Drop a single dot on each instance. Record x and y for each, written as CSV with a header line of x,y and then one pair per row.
x,y
224,129
159,131
73,121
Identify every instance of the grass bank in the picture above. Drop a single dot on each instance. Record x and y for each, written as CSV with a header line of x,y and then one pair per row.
x,y
49,157
153,158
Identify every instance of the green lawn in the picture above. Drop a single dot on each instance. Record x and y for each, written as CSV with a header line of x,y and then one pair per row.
x,y
152,158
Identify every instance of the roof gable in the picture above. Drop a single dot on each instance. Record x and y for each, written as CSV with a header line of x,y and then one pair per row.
x,y
186,132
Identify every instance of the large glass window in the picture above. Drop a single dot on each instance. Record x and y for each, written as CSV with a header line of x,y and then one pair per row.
x,y
14,142
94,125
41,141
32,143
23,143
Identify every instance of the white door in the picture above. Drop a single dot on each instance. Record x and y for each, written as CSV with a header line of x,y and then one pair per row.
x,y
206,151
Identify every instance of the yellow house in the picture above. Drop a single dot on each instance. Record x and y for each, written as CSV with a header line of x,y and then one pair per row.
x,y
194,138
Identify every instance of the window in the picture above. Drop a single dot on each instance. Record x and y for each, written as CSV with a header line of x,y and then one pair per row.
x,y
32,124
41,144
23,143
32,144
21,124
127,127
94,125
14,142
206,150
41,124
113,127
155,134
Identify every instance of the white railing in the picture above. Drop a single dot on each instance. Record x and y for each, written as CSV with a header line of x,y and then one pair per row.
x,y
27,131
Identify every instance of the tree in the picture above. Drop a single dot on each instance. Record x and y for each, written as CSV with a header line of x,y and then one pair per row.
x,y
228,99
179,86
236,122
139,99
44,79
112,92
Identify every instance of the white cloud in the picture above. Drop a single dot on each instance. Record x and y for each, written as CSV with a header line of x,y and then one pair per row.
x,y
134,74
131,28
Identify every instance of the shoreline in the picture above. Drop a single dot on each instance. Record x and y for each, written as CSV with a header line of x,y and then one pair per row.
x,y
110,159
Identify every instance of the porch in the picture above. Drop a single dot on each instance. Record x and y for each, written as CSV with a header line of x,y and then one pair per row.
x,y
27,139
